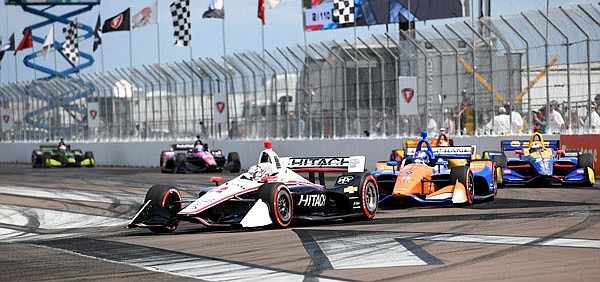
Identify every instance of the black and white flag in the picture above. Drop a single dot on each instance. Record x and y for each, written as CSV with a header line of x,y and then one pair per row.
x,y
343,11
97,35
182,25
70,48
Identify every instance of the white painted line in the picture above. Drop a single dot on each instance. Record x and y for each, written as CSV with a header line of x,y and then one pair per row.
x,y
72,194
365,251
54,219
212,270
485,239
573,243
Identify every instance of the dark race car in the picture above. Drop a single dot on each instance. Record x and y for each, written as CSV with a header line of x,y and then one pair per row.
x,y
270,193
541,163
53,156
197,158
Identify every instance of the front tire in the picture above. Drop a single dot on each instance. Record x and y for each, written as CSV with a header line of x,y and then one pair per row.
x,y
369,197
499,163
278,198
464,175
180,162
166,201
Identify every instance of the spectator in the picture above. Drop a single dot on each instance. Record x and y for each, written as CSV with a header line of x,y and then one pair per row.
x,y
597,100
448,122
556,123
432,126
466,113
595,119
500,124
516,120
539,120
576,122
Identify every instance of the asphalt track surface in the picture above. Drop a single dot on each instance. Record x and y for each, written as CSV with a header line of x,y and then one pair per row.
x,y
69,225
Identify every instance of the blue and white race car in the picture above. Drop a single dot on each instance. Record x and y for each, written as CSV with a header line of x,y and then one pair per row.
x,y
542,163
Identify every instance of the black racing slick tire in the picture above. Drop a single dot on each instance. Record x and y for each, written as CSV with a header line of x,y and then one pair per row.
x,y
180,159
36,160
279,199
585,160
45,157
233,162
499,164
89,155
166,201
464,175
369,197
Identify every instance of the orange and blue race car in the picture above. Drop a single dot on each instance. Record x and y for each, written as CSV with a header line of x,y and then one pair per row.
x,y
541,162
427,175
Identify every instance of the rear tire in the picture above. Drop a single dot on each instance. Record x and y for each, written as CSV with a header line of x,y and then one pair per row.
x,y
279,199
585,160
167,198
89,155
36,161
369,197
46,156
233,162
180,159
500,163
464,175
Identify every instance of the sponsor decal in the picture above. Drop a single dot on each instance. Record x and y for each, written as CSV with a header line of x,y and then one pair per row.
x,y
408,94
93,114
515,143
220,106
5,118
117,21
344,179
319,162
312,200
409,172
350,189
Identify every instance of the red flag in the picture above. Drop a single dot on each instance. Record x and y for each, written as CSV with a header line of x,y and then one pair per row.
x,y
261,10
26,42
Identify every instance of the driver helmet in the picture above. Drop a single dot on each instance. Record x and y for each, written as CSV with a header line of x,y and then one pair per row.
x,y
421,157
535,147
257,172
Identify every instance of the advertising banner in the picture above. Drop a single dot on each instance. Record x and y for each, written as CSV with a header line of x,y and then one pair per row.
x,y
220,108
330,14
93,115
7,119
586,143
408,95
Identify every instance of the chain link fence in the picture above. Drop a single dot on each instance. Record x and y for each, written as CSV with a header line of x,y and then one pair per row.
x,y
465,73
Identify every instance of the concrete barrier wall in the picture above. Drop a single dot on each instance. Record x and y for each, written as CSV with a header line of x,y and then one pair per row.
x,y
146,154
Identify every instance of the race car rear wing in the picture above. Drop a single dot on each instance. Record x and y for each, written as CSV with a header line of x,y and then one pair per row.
x,y
455,152
515,145
182,147
324,164
49,147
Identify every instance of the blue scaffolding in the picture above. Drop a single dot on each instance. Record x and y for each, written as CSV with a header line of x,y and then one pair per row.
x,y
42,8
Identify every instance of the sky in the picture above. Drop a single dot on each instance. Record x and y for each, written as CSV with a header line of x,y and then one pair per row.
x,y
242,31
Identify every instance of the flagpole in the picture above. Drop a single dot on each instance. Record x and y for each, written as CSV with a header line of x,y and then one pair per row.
x,y
16,72
157,32
53,42
130,51
223,35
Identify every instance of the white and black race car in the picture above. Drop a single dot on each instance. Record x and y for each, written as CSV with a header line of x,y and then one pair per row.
x,y
270,193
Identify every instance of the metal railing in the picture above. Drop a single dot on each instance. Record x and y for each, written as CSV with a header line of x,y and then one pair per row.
x,y
334,89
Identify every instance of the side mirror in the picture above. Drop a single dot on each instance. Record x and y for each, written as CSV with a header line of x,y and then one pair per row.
x,y
392,163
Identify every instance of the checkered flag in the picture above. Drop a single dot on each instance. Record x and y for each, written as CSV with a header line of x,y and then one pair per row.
x,y
70,49
182,25
343,11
